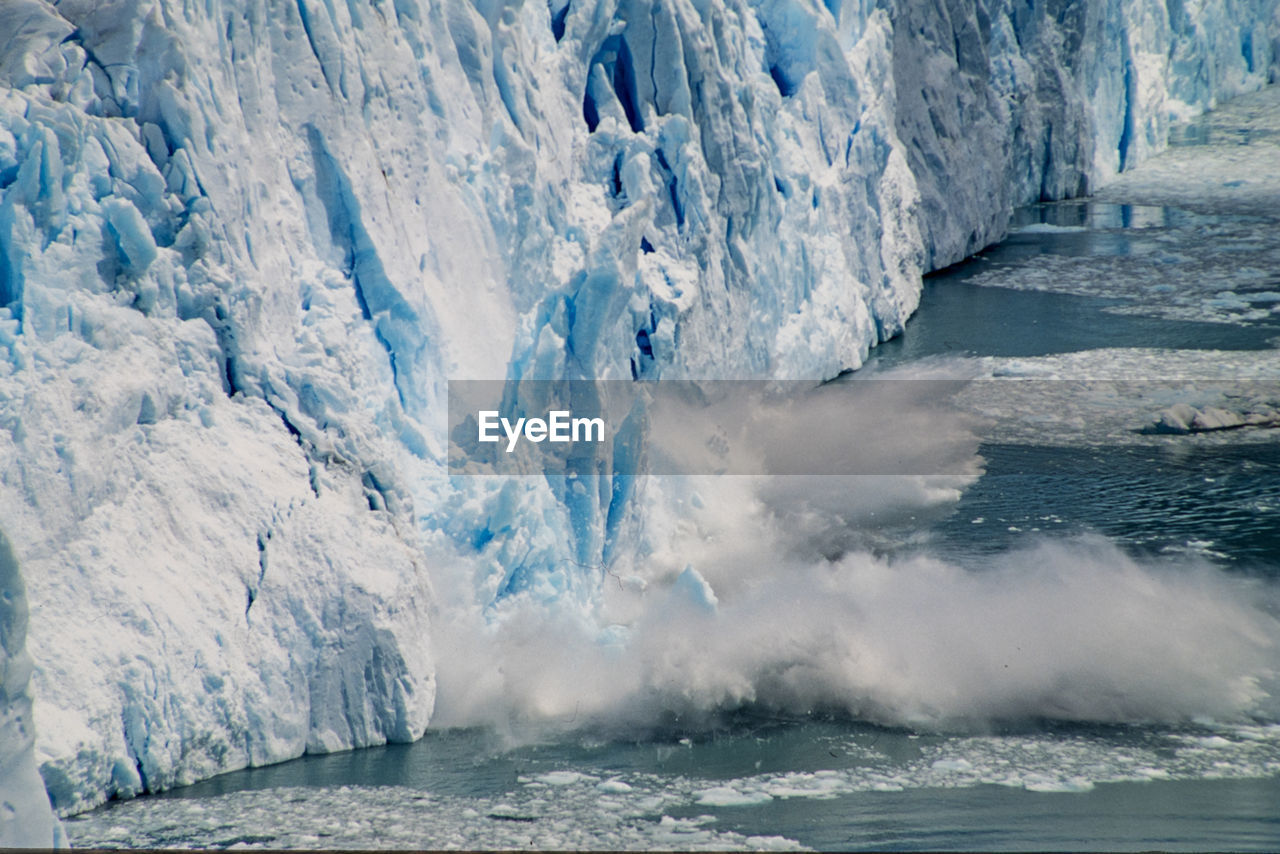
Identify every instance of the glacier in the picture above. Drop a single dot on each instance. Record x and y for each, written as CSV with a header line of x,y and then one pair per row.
x,y
244,245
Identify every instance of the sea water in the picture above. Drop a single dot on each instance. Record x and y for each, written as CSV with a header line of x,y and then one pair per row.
x,y
755,783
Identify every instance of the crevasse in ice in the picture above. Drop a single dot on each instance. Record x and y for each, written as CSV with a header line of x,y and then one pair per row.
x,y
243,246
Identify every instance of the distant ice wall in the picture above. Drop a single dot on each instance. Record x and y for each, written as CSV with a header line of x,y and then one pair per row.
x,y
244,244
1007,103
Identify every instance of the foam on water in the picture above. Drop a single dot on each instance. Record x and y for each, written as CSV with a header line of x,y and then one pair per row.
x,y
1156,262
359,817
1108,398
595,807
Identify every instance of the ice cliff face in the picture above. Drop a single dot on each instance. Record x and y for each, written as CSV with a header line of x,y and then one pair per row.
x,y
243,245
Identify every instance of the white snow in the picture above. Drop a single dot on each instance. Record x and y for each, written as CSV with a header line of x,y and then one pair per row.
x,y
243,246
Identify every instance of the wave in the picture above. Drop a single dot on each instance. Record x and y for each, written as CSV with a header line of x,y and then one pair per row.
x,y
784,594
1068,630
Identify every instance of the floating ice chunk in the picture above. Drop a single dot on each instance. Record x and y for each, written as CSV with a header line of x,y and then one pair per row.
x,y
1019,368
1183,418
1175,419
725,796
1041,783
563,778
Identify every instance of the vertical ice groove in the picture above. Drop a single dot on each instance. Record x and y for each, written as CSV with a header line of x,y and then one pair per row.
x,y
394,322
304,16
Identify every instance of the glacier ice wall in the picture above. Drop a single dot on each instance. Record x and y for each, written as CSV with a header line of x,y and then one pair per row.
x,y
244,244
